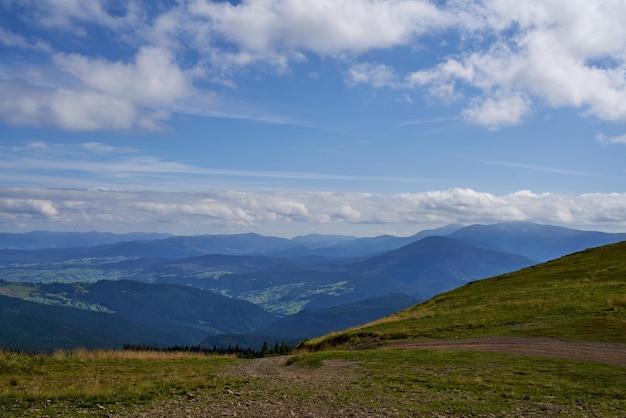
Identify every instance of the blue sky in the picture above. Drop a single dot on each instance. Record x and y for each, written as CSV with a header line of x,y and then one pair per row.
x,y
357,117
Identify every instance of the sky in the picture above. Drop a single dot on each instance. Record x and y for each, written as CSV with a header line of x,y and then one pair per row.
x,y
290,117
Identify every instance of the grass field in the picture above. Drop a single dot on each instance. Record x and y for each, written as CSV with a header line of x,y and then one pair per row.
x,y
67,383
449,383
403,383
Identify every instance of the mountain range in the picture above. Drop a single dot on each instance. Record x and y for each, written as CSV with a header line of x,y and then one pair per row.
x,y
175,290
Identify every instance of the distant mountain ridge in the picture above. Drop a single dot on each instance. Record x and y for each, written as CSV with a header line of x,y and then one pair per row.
x,y
37,240
188,288
534,241
261,270
103,245
537,242
437,264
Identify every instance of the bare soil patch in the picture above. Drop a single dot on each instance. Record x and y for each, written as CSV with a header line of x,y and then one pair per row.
x,y
270,388
608,353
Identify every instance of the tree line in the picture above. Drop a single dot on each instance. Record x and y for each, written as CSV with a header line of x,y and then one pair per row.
x,y
243,352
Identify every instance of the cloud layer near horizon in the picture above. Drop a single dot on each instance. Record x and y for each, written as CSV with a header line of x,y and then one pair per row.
x,y
506,58
278,213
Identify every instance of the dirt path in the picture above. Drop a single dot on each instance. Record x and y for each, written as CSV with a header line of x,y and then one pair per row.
x,y
543,347
270,388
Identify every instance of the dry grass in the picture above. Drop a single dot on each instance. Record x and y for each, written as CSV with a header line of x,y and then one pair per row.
x,y
82,354
86,379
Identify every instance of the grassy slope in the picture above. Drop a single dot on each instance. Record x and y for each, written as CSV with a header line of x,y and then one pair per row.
x,y
581,296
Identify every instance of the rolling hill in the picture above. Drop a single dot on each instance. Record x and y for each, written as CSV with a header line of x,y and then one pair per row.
x,y
309,323
581,296
111,313
31,326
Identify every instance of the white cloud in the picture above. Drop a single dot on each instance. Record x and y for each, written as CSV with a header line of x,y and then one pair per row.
x,y
23,104
68,14
507,58
441,80
346,213
498,111
326,27
377,75
109,95
618,139
102,149
295,213
560,53
27,208
14,40
152,79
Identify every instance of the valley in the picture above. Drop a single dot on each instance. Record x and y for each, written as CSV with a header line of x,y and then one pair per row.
x,y
247,289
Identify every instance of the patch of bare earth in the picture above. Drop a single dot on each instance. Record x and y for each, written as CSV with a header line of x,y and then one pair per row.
x,y
270,388
614,354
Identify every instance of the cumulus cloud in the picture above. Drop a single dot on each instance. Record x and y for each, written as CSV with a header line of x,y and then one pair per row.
x,y
326,27
559,53
73,109
152,79
506,58
27,208
497,112
294,213
111,95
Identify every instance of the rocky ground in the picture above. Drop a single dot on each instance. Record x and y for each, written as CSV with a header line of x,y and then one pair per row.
x,y
296,392
311,392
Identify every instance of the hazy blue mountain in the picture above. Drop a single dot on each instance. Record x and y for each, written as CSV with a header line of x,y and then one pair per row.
x,y
238,244
314,241
173,289
434,265
286,285
420,270
52,239
171,247
368,246
312,323
102,247
537,242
